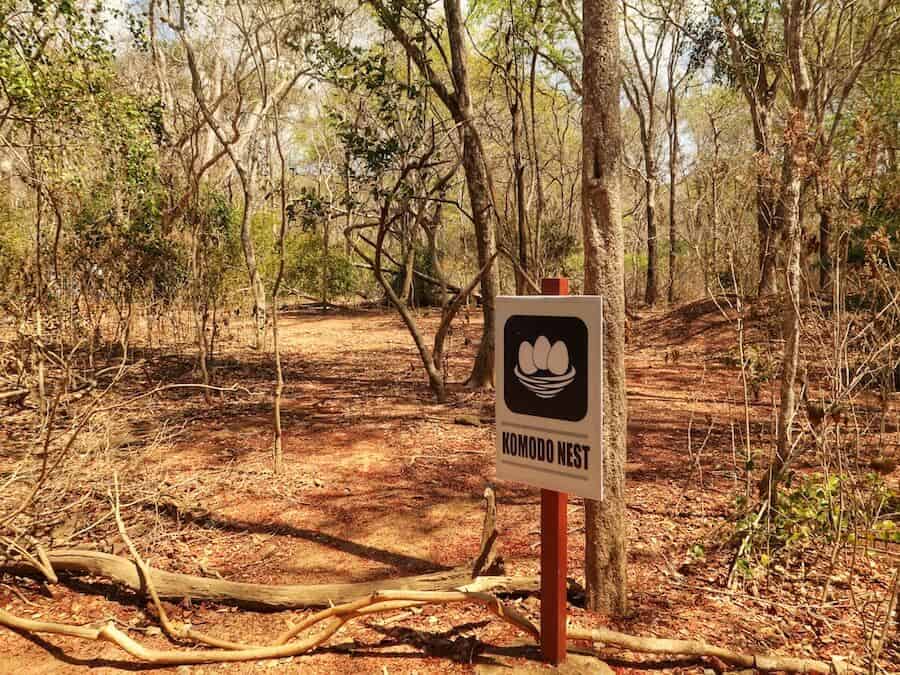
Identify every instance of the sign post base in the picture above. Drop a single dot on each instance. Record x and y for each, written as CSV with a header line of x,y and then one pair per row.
x,y
553,575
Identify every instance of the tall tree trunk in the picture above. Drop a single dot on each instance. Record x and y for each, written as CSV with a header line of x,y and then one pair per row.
x,y
715,201
536,158
604,274
278,390
482,374
673,166
795,156
650,184
519,176
789,215
478,184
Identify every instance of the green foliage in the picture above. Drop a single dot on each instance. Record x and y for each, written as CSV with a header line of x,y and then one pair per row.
x,y
308,209
52,78
817,511
307,265
216,231
117,233
380,139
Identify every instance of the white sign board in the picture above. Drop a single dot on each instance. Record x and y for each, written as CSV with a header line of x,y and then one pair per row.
x,y
549,378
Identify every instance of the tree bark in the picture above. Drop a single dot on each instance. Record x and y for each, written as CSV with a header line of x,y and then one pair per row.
x,y
604,274
714,206
478,184
825,229
650,292
673,169
263,596
795,17
768,236
257,287
519,174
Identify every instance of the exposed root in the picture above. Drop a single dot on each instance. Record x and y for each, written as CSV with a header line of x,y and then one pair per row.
x,y
649,645
333,619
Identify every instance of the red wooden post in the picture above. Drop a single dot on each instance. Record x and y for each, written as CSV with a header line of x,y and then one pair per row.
x,y
554,542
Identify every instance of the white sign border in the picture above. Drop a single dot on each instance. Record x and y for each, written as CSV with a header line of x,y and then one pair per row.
x,y
588,308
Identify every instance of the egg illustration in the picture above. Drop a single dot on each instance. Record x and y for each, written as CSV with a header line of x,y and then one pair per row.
x,y
526,358
541,352
558,358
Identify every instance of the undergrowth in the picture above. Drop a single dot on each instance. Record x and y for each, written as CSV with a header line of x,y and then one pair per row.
x,y
813,511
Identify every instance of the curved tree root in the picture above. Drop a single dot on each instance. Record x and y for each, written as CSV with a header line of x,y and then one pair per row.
x,y
649,645
333,618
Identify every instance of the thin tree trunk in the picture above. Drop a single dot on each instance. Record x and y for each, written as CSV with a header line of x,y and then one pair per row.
x,y
536,158
673,166
715,198
326,246
604,274
200,307
39,282
517,114
825,229
519,173
407,292
795,17
768,236
650,293
277,441
257,288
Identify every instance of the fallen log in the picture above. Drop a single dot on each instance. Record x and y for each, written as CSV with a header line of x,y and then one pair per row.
x,y
125,572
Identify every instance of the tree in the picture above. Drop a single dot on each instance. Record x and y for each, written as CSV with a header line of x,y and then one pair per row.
x,y
398,167
458,101
604,274
642,91
756,67
232,96
675,82
847,38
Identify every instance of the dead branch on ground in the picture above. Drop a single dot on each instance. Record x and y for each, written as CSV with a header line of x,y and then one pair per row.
x,y
650,645
335,617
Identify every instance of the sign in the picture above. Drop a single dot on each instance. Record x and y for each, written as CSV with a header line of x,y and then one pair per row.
x,y
549,373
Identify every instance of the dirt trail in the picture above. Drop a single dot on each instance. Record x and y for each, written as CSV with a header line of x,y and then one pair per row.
x,y
382,482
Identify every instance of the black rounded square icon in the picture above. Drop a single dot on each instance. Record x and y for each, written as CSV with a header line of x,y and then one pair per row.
x,y
545,369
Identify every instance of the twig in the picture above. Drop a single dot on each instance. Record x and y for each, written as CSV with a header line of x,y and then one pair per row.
x,y
174,631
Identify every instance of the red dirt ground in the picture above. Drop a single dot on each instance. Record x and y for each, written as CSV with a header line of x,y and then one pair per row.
x,y
381,482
